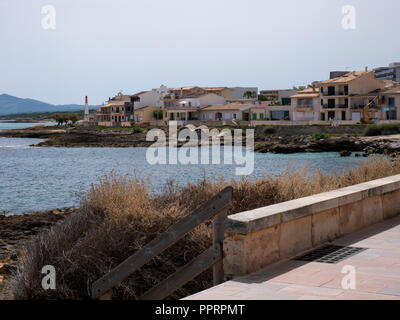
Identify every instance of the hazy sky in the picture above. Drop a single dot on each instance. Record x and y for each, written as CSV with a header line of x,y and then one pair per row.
x,y
102,46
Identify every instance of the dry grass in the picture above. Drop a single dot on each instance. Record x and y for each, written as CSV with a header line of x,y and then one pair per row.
x,y
119,216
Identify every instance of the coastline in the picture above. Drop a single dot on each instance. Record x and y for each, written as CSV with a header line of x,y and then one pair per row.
x,y
283,143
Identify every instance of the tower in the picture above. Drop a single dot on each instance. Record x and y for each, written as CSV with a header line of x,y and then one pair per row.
x,y
86,117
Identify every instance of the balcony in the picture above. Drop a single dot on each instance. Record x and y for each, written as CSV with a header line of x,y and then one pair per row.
x,y
333,94
336,106
307,106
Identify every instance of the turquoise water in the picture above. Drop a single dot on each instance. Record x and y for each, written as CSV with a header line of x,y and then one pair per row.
x,y
15,125
33,179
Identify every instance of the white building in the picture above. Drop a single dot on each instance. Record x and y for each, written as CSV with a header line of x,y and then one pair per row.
x,y
147,98
239,92
226,112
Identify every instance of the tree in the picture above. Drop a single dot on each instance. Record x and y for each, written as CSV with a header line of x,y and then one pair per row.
x,y
73,117
249,94
60,118
158,114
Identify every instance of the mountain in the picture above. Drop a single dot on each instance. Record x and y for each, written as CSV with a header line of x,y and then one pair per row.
x,y
14,105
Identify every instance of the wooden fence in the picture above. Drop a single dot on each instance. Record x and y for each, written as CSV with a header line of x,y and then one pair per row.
x,y
215,208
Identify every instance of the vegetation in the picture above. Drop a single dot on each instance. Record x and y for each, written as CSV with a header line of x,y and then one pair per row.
x,y
262,98
382,129
325,135
38,116
158,114
249,94
269,130
62,118
137,129
119,215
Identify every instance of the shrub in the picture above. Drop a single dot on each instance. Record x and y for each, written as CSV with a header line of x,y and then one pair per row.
x,y
269,130
137,130
119,215
382,129
320,136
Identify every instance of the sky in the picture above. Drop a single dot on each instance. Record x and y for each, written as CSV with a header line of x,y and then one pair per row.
x,y
99,47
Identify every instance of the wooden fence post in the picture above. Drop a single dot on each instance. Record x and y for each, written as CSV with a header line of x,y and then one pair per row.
x,y
218,238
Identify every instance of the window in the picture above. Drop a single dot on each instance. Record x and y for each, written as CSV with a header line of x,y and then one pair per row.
x,y
234,116
261,116
254,116
391,102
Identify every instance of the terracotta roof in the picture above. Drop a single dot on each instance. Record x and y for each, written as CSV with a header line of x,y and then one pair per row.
x,y
307,93
147,107
214,88
184,88
114,103
346,77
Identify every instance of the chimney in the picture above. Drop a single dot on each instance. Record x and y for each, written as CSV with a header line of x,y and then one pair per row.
x,y
366,69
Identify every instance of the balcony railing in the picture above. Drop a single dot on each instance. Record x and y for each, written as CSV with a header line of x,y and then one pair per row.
x,y
340,93
362,106
307,106
336,106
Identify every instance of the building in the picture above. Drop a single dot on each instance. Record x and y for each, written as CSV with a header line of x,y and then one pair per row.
x,y
267,112
241,92
392,72
282,97
221,91
188,107
390,102
227,112
344,97
118,111
187,91
145,115
306,105
148,98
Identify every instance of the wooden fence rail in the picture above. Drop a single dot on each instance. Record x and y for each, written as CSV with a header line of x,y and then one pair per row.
x,y
214,208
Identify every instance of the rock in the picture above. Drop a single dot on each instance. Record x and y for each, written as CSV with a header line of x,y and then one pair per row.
x,y
345,153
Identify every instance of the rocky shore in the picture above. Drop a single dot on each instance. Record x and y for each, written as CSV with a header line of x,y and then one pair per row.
x,y
15,231
346,145
274,143
78,138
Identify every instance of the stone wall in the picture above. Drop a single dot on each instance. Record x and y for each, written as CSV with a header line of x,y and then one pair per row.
x,y
257,238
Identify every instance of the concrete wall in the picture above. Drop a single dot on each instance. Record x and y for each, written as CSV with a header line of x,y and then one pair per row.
x,y
257,238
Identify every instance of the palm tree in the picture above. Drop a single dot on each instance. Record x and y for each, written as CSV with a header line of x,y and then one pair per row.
x,y
248,94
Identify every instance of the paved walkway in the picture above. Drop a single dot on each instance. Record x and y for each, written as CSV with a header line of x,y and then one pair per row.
x,y
377,273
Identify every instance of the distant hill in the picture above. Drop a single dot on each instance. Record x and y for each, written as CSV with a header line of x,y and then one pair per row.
x,y
14,105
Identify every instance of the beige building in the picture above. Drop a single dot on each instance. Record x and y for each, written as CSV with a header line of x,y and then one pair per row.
x,y
344,97
145,115
305,105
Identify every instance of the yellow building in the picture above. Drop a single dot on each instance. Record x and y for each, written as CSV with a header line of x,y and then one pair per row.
x,y
150,113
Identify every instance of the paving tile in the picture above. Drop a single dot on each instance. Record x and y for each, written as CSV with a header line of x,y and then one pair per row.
x,y
358,295
312,291
377,273
306,297
391,290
